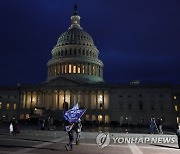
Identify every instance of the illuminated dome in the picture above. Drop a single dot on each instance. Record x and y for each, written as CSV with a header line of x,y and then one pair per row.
x,y
75,36
75,56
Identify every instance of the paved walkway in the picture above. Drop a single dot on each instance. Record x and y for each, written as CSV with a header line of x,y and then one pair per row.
x,y
42,142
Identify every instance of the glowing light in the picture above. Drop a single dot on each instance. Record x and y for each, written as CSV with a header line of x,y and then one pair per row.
x,y
176,108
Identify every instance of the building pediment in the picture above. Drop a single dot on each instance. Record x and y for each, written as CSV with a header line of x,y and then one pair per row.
x,y
61,82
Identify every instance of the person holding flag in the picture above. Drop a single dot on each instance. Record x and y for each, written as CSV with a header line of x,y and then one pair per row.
x,y
71,117
69,127
78,127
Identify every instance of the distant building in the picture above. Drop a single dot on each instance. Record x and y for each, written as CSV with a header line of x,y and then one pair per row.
x,y
75,74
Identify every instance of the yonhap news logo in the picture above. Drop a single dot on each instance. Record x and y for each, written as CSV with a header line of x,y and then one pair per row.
x,y
103,140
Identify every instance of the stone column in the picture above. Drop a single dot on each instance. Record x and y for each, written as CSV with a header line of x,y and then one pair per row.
x,y
31,98
103,100
23,100
89,100
87,68
76,68
43,94
37,103
58,107
71,98
52,103
26,100
64,95
59,68
96,92
84,94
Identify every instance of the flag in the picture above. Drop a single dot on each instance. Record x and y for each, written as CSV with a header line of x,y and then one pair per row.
x,y
74,114
75,107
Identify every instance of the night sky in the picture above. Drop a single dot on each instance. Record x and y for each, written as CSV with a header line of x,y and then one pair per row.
x,y
137,39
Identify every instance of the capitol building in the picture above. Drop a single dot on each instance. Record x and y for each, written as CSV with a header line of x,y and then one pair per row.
x,y
75,75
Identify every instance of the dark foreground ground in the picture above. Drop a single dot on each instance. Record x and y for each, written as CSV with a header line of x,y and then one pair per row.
x,y
33,141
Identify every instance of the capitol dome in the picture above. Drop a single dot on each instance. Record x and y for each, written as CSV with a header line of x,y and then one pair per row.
x,y
75,56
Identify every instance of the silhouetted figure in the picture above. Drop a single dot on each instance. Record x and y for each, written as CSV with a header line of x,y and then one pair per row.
x,y
11,128
178,134
78,128
159,125
152,125
69,127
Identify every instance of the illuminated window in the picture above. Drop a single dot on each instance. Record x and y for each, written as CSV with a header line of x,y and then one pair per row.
x,y
175,97
70,69
106,118
7,106
178,119
0,105
74,69
14,107
176,108
27,116
100,98
83,69
79,69
93,117
65,67
87,117
100,118
100,102
33,99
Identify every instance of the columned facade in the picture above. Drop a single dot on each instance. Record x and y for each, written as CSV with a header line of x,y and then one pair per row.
x,y
53,100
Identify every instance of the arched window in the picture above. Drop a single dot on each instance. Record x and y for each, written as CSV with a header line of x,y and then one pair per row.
x,y
74,68
70,68
93,117
100,118
79,69
106,119
83,69
65,68
87,117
